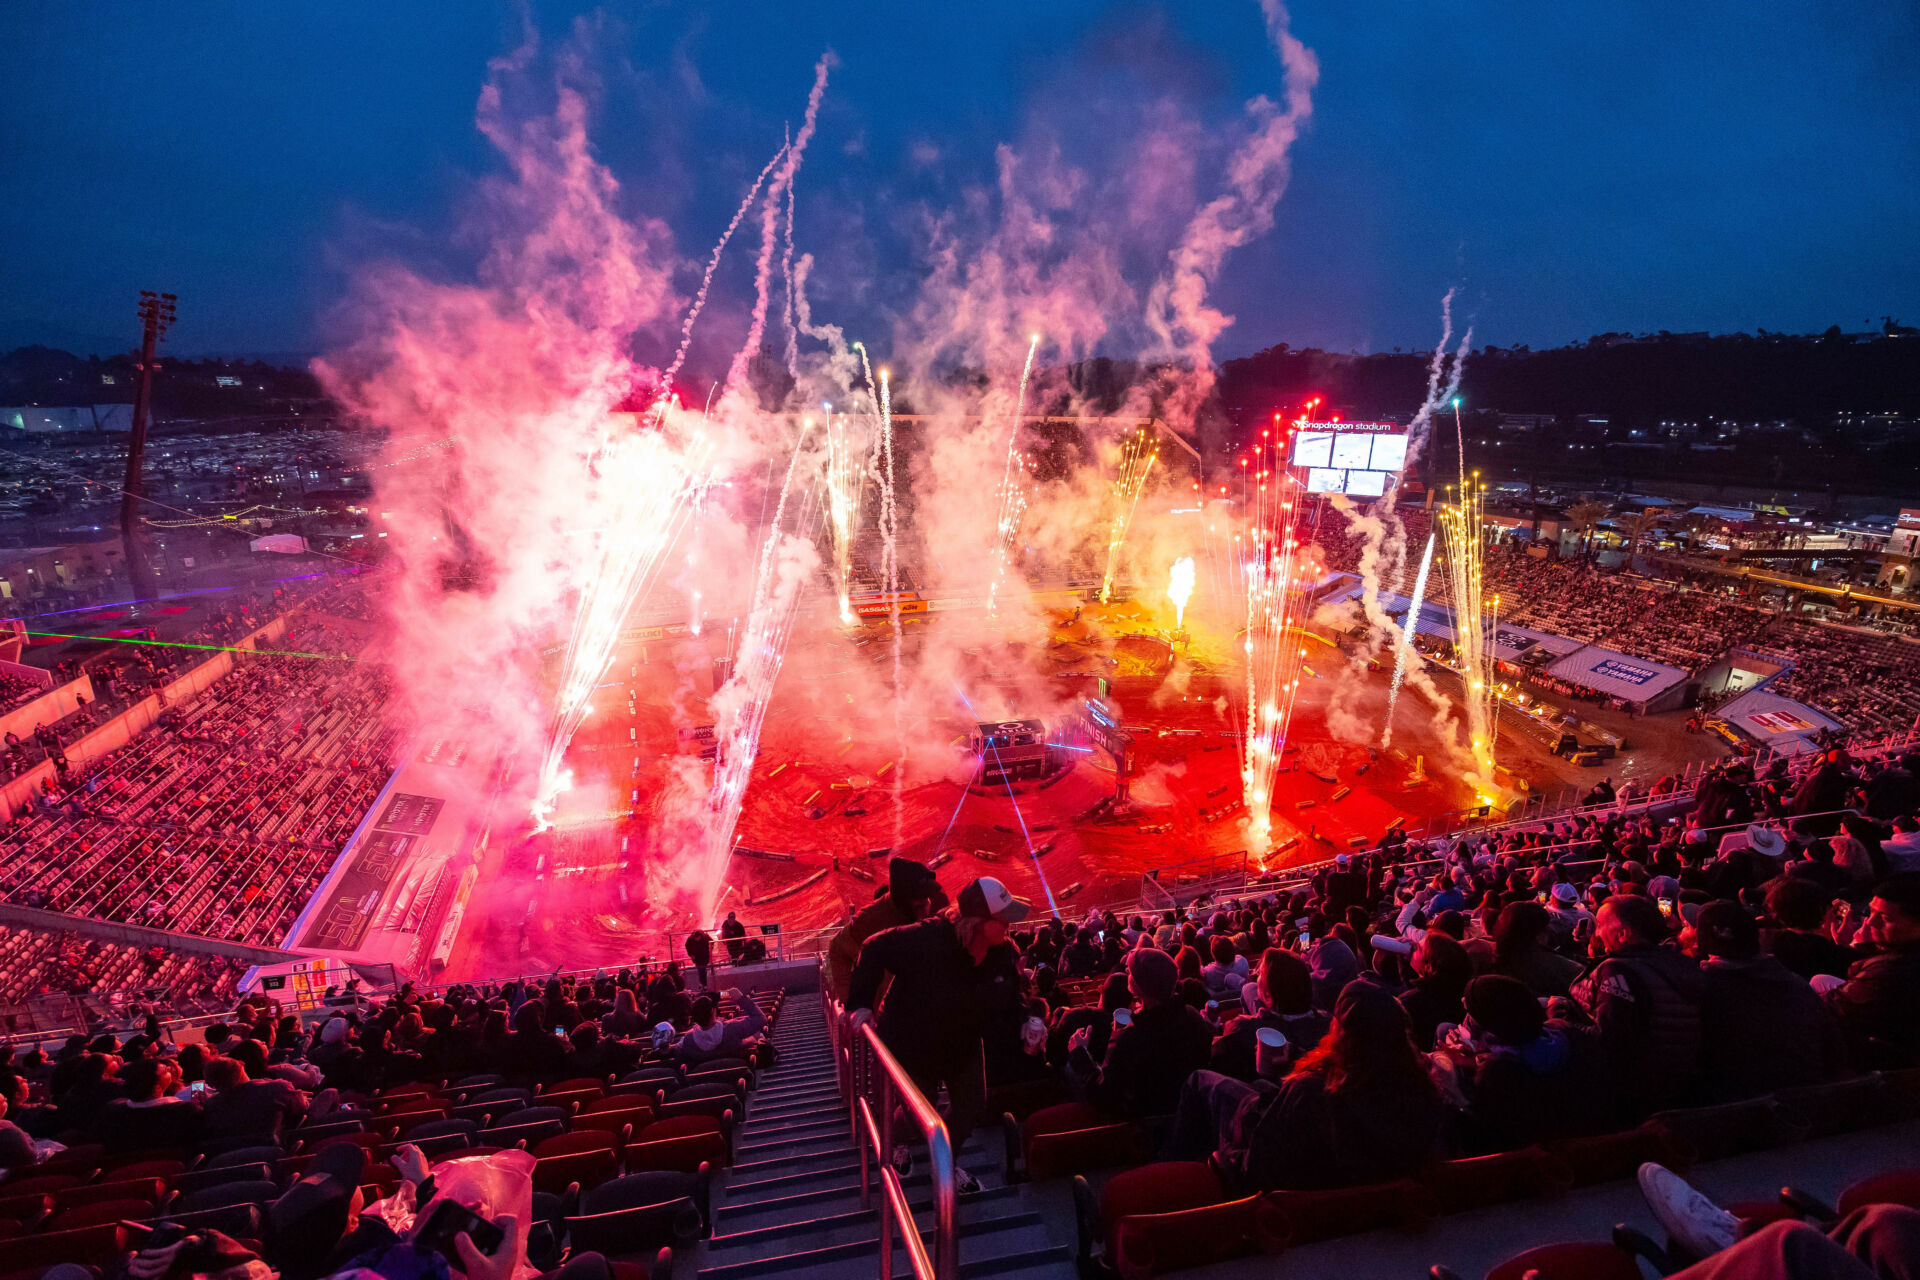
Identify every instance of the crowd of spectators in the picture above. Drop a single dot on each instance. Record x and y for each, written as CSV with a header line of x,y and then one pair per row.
x,y
1450,997
1868,679
219,820
35,963
443,1071
16,691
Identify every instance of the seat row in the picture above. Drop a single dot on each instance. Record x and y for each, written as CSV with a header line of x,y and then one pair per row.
x,y
1154,1218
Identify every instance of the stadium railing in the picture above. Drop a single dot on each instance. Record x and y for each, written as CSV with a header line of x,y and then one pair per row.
x,y
875,1086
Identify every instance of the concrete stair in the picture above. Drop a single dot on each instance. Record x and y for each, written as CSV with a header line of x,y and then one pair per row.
x,y
789,1208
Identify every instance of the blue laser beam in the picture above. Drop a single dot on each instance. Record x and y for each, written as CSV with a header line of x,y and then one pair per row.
x,y
1026,835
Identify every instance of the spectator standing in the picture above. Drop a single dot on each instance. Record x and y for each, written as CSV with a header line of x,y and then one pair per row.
x,y
700,951
933,1019
911,891
733,935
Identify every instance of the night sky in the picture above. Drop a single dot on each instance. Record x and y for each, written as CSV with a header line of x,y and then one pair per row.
x,y
1572,168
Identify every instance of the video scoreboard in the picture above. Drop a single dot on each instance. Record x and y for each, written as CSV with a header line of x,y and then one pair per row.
x,y
1359,459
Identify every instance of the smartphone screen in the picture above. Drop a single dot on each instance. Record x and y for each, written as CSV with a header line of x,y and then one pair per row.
x,y
1666,906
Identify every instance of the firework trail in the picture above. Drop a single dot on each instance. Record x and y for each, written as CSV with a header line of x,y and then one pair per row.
x,y
1180,588
1136,464
880,465
769,230
786,274
648,486
1406,639
1013,495
740,705
706,281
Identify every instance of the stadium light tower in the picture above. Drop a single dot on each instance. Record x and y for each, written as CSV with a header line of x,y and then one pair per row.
x,y
156,317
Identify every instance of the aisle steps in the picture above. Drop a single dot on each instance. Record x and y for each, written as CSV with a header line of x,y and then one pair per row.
x,y
789,1208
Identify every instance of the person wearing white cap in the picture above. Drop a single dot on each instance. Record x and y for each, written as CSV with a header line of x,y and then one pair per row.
x,y
949,972
1564,911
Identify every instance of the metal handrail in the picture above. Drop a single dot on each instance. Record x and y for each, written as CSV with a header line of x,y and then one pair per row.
x,y
873,1096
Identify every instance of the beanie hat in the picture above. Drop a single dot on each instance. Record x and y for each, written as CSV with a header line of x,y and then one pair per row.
x,y
908,880
1367,1011
1505,1008
1152,974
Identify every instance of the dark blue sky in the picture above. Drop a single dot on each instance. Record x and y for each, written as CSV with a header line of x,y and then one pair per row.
x,y
1573,167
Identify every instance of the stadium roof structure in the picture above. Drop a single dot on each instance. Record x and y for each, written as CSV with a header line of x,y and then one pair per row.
x,y
1616,674
1510,641
1771,720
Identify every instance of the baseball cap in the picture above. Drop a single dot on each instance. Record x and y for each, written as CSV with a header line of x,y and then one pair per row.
x,y
988,899
1565,892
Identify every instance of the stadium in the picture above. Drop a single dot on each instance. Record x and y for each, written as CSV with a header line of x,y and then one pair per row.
x,y
608,773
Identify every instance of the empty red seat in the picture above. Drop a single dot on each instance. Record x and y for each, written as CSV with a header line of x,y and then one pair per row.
x,y
680,1142
1458,1185
1574,1261
1609,1157
1167,1216
1900,1186
1289,1218
588,1158
98,1213
1073,1137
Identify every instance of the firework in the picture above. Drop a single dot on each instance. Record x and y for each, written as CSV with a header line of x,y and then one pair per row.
x,y
1136,464
1013,489
1275,581
1180,588
845,481
1405,646
741,704
1474,620
647,484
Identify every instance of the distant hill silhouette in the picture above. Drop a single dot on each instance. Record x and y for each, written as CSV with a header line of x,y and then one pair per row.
x,y
1628,378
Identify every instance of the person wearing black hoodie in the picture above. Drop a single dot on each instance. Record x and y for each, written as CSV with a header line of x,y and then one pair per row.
x,y
1762,1027
1148,1062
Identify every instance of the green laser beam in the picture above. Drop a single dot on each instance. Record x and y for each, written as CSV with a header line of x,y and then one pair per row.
x,y
169,644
